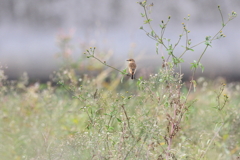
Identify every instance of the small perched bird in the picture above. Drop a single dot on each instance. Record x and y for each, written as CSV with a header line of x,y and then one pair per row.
x,y
132,67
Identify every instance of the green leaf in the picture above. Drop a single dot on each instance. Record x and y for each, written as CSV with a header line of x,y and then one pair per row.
x,y
157,44
181,60
189,49
124,72
143,15
177,60
160,41
141,27
60,83
202,67
139,82
208,43
170,50
194,65
215,107
208,38
147,21
129,97
109,128
152,33
144,3
119,120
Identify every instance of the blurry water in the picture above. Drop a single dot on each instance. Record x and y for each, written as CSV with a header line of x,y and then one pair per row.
x,y
28,31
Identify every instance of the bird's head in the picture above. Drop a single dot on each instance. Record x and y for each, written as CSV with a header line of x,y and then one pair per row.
x,y
131,60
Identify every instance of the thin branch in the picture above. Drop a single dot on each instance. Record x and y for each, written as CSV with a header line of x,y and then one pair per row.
x,y
127,119
221,15
211,141
107,64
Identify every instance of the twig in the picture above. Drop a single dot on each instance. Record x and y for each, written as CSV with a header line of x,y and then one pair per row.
x,y
211,141
127,119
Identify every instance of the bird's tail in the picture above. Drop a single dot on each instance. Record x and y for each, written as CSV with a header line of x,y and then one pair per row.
x,y
133,73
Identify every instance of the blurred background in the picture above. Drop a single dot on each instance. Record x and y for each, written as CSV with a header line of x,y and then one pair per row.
x,y
30,29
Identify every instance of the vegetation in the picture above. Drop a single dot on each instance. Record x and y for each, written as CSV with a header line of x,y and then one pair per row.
x,y
94,118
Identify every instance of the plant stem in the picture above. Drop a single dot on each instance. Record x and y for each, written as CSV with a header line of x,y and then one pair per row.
x,y
211,141
107,65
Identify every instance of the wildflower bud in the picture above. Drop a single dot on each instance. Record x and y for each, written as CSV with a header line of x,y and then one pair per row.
x,y
169,17
234,13
218,6
162,21
144,3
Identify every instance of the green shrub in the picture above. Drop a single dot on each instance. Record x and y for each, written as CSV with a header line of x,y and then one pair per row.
x,y
156,118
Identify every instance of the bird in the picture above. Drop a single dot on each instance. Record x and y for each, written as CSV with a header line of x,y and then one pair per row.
x,y
132,67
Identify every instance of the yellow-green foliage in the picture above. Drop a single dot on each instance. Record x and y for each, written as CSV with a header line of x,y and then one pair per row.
x,y
85,121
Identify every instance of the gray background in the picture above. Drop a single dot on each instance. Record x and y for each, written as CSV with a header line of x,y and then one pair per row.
x,y
28,31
